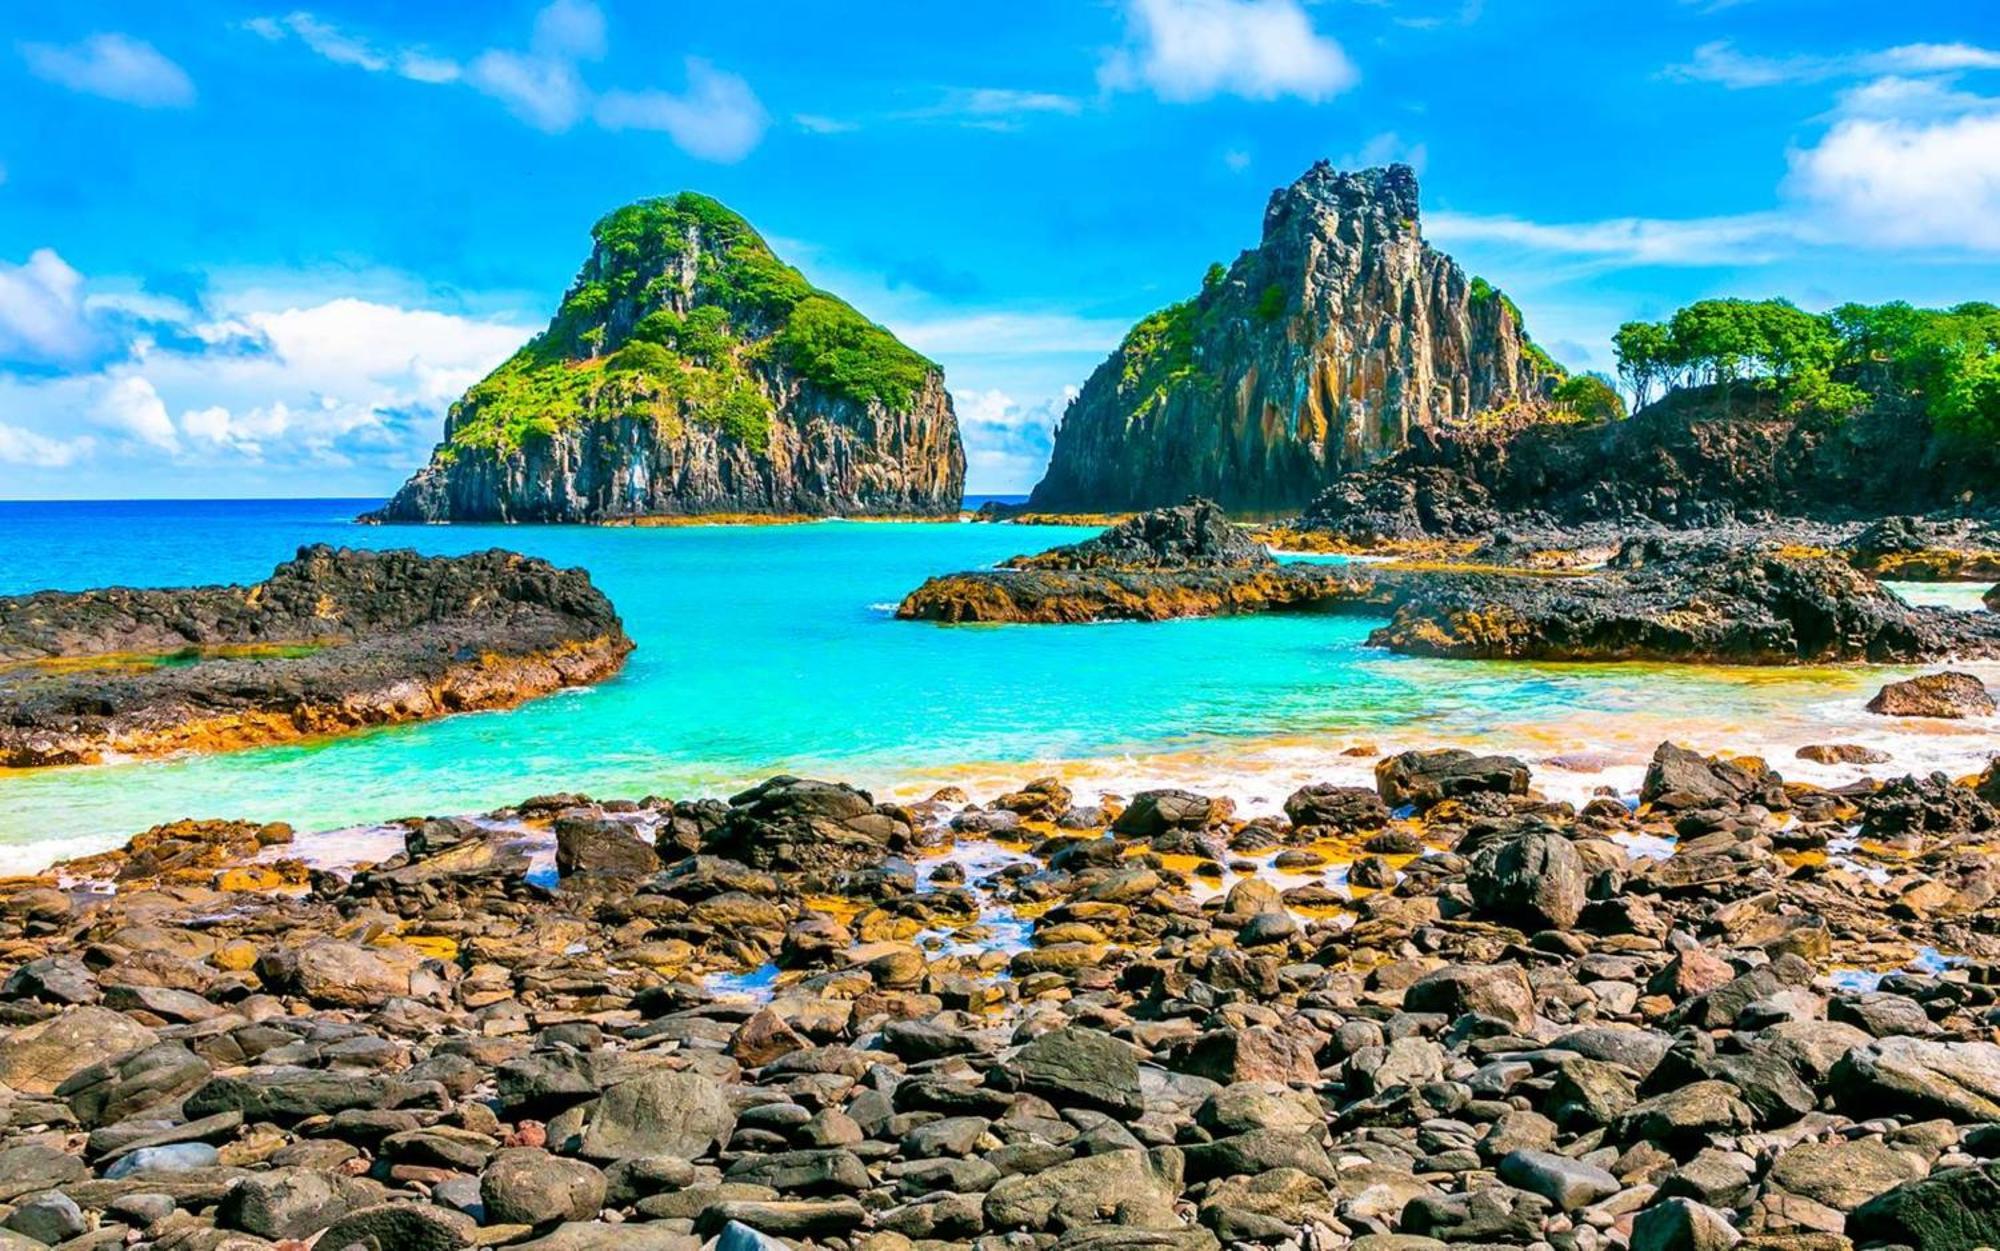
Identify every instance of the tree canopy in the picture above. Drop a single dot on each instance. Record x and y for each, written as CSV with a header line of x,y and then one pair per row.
x,y
1947,360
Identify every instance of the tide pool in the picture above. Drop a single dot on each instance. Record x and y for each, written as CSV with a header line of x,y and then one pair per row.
x,y
766,649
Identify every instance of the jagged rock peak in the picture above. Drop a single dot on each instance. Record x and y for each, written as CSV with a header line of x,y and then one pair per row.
x,y
689,370
1323,348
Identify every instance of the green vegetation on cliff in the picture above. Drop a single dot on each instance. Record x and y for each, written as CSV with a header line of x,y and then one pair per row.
x,y
683,313
1947,361
1484,293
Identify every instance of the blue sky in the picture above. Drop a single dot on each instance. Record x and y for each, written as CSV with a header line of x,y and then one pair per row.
x,y
250,251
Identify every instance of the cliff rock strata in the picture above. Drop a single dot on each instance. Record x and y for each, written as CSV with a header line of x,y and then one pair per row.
x,y
1322,349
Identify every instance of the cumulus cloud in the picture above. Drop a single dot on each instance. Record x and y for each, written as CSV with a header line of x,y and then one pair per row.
x,y
117,67
718,117
1188,50
41,311
130,405
257,377
37,451
1907,183
1007,441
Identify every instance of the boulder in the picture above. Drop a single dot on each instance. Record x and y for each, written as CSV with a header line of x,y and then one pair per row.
x,y
1677,778
659,1113
1425,778
1535,880
1844,1175
1921,1077
1499,991
293,1202
1080,1066
1116,1188
528,1186
800,825
37,1059
1948,694
1152,813
1346,809
1955,1209
602,849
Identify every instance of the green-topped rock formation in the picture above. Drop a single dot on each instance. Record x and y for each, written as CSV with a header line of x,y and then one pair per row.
x,y
690,372
1322,349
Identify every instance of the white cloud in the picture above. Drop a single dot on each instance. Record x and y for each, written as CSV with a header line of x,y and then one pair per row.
x,y
813,123
117,67
1720,62
1919,184
718,118
547,94
41,311
1187,50
344,48
1743,238
1007,442
301,384
25,447
130,405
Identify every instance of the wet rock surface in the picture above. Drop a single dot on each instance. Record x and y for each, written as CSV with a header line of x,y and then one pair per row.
x,y
334,639
1711,1013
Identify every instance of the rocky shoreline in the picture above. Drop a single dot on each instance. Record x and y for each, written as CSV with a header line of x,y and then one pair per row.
x,y
1731,599
334,640
1442,1011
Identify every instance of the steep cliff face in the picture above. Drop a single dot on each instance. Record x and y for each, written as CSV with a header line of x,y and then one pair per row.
x,y
1319,350
691,371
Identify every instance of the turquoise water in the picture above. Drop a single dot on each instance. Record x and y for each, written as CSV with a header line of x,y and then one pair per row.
x,y
772,648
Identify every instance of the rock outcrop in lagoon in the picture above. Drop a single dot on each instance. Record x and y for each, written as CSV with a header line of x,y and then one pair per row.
x,y
1688,600
333,640
1500,1020
691,372
1324,348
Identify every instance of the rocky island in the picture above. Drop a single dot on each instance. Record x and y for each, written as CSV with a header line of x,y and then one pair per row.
x,y
1443,1010
690,372
1324,348
333,640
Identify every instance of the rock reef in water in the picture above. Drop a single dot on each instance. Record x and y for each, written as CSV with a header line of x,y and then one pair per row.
x,y
1327,346
691,372
333,640
1525,1031
1708,602
1700,602
1186,561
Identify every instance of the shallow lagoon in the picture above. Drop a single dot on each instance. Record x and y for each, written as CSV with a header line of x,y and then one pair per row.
x,y
769,649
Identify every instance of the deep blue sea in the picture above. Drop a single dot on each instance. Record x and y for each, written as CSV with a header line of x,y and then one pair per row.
x,y
767,649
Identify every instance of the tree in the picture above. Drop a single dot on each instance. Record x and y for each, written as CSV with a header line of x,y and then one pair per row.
x,y
1591,397
1641,348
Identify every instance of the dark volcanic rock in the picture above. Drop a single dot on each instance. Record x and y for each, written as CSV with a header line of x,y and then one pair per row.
x,y
1194,535
1705,601
1425,778
800,824
1535,880
1321,349
333,640
1951,695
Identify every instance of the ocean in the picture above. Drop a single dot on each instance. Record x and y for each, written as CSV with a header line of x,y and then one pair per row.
x,y
774,649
